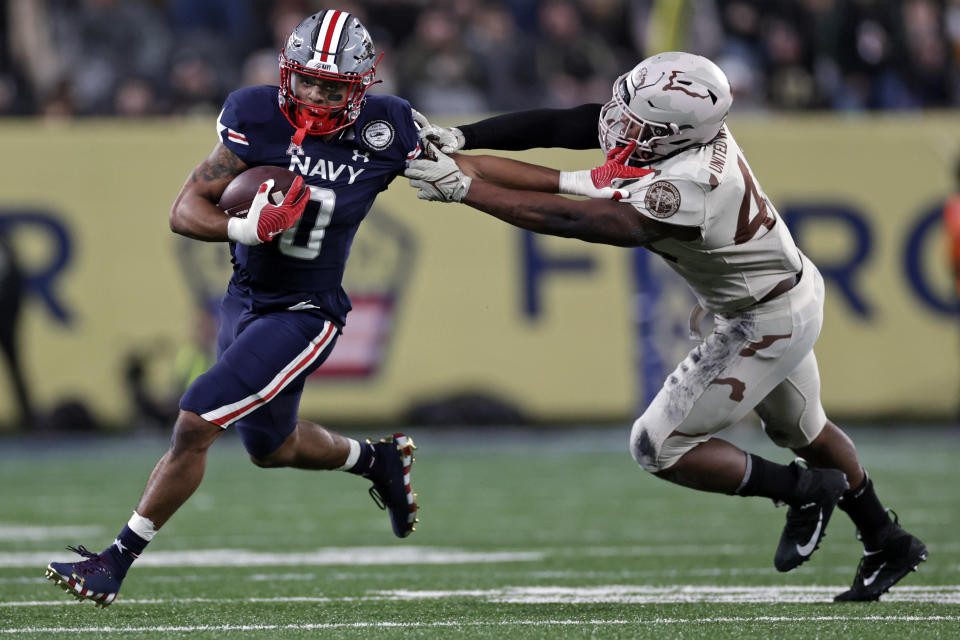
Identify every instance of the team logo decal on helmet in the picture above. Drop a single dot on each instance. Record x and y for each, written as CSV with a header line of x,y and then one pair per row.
x,y
670,86
378,134
662,199
667,103
641,77
334,50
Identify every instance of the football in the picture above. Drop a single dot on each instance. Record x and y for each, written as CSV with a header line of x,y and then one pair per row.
x,y
238,195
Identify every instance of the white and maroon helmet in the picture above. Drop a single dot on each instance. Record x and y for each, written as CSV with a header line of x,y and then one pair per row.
x,y
666,103
333,46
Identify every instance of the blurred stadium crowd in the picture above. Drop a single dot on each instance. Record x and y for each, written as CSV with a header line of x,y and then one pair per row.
x,y
449,57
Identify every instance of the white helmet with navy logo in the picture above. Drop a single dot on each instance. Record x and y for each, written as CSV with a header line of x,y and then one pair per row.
x,y
666,103
331,47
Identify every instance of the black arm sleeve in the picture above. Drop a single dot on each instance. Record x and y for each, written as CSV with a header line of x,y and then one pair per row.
x,y
574,128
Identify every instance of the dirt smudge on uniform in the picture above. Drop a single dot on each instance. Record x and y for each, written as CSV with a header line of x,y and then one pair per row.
x,y
704,364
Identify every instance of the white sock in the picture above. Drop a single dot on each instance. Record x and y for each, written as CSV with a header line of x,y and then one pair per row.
x,y
352,457
141,526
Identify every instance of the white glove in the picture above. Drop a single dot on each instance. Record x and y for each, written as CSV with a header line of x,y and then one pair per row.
x,y
440,180
264,220
447,139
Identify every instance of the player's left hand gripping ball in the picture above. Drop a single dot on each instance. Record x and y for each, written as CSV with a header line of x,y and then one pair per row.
x,y
440,180
265,221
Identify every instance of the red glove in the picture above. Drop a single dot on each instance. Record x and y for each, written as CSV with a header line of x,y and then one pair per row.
x,y
616,167
275,219
265,220
597,183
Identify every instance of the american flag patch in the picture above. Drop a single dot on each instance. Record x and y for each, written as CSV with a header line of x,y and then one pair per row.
x,y
236,136
228,134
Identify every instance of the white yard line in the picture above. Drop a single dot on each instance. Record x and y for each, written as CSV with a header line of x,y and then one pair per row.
x,y
354,556
627,594
498,623
358,556
611,594
20,533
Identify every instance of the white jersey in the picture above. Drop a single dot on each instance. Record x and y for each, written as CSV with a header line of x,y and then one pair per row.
x,y
744,249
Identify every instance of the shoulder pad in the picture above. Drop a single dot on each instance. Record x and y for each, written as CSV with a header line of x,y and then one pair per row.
x,y
243,112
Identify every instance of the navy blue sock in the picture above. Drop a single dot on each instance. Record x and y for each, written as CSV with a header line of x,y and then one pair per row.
x,y
365,461
125,549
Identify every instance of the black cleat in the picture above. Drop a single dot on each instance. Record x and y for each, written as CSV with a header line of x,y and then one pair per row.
x,y
808,516
391,488
882,568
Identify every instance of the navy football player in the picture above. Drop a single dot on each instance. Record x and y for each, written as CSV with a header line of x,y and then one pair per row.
x,y
689,195
284,307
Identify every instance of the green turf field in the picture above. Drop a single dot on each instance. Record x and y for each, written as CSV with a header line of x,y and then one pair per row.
x,y
523,535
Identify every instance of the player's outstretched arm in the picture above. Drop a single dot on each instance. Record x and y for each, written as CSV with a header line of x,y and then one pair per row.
x,y
574,128
195,213
595,220
446,178
512,174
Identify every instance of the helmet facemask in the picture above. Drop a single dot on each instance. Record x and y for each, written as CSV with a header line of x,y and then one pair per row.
x,y
619,126
329,48
321,119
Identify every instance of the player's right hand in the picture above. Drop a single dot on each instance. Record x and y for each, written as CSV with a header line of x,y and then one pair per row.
x,y
447,139
265,221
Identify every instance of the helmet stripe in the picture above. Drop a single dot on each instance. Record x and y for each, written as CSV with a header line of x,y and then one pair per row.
x,y
328,36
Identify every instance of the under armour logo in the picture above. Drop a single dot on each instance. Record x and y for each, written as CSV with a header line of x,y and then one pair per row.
x,y
120,546
295,149
364,155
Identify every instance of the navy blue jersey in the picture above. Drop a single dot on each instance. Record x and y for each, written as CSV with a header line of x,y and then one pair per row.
x,y
345,175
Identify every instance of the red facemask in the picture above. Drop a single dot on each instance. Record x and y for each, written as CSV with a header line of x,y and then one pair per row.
x,y
313,119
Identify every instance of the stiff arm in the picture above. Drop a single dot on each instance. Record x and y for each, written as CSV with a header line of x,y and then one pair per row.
x,y
525,195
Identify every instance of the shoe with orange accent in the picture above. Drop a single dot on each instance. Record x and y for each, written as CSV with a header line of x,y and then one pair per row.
x,y
391,490
95,578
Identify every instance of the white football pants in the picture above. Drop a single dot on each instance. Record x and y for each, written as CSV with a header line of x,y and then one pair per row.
x,y
762,359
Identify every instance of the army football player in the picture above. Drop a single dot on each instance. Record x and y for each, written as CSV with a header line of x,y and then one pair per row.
x,y
676,182
284,307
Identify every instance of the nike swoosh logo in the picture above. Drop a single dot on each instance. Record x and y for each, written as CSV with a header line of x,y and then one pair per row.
x,y
873,576
807,549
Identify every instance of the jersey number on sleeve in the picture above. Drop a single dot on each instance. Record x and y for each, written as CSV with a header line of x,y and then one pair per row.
x,y
303,239
753,200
